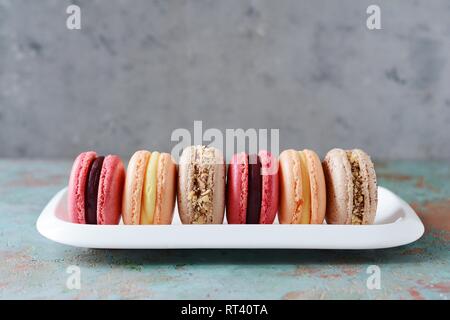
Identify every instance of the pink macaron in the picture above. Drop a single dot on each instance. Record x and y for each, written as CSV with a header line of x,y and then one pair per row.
x,y
95,189
252,188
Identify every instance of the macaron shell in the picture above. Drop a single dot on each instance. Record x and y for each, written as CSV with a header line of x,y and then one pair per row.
x,y
317,185
110,190
369,186
184,168
269,201
237,189
132,195
339,187
219,173
290,193
77,186
165,190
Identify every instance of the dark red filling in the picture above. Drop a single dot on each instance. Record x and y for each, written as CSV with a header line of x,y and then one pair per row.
x,y
254,190
90,205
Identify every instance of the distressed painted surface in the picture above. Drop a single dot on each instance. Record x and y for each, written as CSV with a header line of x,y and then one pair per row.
x,y
33,267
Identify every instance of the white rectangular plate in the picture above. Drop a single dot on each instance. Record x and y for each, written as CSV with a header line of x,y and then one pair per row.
x,y
396,224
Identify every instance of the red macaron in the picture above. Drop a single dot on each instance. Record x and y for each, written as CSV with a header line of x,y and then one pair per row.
x,y
95,189
252,188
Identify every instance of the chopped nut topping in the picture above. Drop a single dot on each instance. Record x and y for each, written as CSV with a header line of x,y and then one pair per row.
x,y
358,197
200,197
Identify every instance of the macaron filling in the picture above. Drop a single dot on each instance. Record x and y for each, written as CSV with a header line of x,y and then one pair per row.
x,y
149,190
305,217
91,190
254,190
358,195
201,190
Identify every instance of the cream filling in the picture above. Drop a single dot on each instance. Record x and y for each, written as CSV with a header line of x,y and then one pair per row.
x,y
358,196
149,190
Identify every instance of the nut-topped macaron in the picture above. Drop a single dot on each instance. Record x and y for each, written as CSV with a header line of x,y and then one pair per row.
x,y
201,186
351,187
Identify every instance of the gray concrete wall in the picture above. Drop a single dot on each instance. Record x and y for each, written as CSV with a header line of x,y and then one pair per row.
x,y
139,69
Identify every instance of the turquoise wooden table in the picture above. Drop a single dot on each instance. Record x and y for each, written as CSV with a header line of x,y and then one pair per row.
x,y
34,267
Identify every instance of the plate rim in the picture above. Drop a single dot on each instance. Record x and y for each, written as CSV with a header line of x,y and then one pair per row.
x,y
58,230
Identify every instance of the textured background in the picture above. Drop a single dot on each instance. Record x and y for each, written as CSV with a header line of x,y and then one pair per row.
x,y
139,69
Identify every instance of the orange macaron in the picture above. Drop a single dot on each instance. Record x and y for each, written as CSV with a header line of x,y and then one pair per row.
x,y
149,191
302,188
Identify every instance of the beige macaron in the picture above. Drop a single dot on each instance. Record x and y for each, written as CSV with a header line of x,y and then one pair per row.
x,y
351,187
201,186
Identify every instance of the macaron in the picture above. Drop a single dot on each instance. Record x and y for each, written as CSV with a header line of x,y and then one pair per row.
x,y
95,189
252,188
201,186
149,192
351,187
302,188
